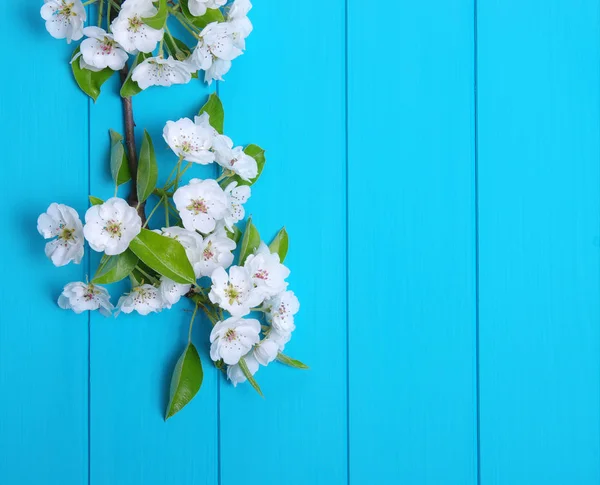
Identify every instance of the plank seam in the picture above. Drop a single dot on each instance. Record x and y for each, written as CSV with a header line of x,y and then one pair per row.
x,y
217,85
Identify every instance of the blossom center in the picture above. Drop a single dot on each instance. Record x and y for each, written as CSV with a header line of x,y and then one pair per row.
x,y
135,24
67,234
107,45
230,335
232,293
66,10
187,146
113,228
208,253
89,294
262,274
197,206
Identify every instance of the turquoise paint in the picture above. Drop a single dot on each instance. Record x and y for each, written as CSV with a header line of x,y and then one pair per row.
x,y
387,168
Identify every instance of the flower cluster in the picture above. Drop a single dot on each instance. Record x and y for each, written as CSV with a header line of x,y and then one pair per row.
x,y
139,27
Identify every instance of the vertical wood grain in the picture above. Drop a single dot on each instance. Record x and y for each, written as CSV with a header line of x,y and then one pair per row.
x,y
43,349
411,212
286,93
539,157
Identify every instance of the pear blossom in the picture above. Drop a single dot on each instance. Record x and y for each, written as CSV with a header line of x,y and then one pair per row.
x,y
100,50
191,140
156,71
199,7
111,226
234,159
233,338
193,244
81,297
280,311
63,223
235,292
235,373
129,28
64,18
216,71
236,198
215,51
267,273
266,352
201,204
171,292
216,252
143,299
239,22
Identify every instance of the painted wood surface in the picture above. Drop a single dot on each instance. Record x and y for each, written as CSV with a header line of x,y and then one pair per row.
x,y
437,166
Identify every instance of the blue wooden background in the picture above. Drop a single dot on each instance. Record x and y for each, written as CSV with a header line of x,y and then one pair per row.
x,y
437,165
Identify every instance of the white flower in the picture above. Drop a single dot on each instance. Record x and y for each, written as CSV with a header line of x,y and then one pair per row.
x,y
235,373
215,51
234,292
199,7
62,222
192,243
111,226
280,312
191,140
267,273
236,197
266,352
216,252
216,71
171,292
143,299
64,18
240,24
100,50
81,297
234,159
156,71
130,30
201,204
239,9
233,338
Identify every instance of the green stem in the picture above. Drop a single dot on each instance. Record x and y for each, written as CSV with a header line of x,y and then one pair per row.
x,y
153,211
150,277
90,2
166,201
181,174
192,323
100,13
186,25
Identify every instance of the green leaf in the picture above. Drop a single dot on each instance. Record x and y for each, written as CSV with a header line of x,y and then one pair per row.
x,y
296,364
234,235
249,376
159,20
214,108
186,380
177,48
95,200
147,169
90,82
117,268
119,167
258,154
164,255
211,15
250,241
130,87
280,244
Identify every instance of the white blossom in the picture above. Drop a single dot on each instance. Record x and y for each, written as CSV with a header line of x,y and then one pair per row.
x,y
216,252
280,311
191,140
235,292
111,226
143,299
267,273
234,159
193,244
199,7
130,30
201,204
217,38
81,297
64,18
156,71
266,352
100,50
233,338
239,22
63,223
171,292
216,71
236,198
235,373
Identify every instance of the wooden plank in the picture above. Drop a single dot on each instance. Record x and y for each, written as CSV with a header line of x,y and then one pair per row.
x,y
286,93
539,155
411,243
43,349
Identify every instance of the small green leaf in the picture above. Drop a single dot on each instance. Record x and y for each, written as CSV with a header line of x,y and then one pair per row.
x,y
117,268
214,108
234,235
147,169
159,20
90,82
119,167
211,15
177,48
296,364
186,380
280,244
164,255
250,241
258,154
249,376
95,200
130,87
